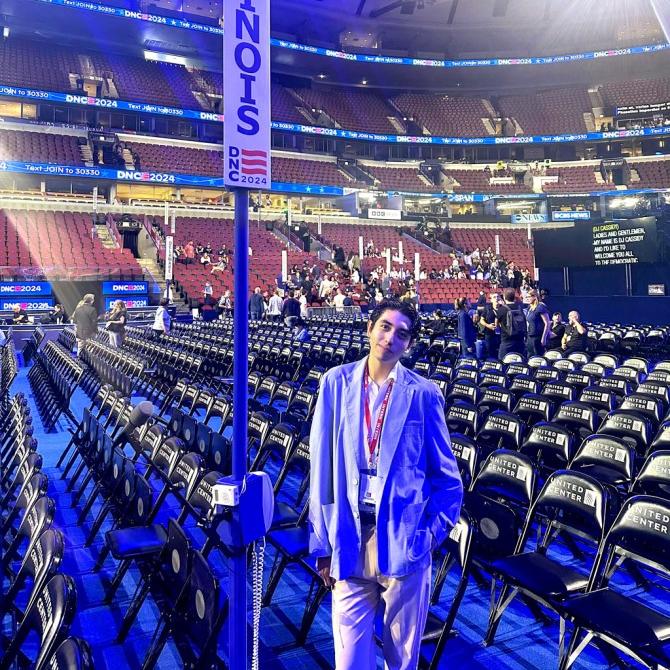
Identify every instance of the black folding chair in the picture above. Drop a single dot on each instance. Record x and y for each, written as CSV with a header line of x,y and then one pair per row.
x,y
628,622
49,617
569,503
72,654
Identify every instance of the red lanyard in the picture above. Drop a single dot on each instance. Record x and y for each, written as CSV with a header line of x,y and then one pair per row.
x,y
373,437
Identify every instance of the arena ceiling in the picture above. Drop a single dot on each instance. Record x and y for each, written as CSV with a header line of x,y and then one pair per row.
x,y
416,28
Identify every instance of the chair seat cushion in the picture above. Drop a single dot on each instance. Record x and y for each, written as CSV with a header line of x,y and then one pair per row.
x,y
136,541
294,542
284,515
538,574
631,622
434,626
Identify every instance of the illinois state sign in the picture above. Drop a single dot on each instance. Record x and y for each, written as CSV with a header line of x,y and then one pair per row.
x,y
246,93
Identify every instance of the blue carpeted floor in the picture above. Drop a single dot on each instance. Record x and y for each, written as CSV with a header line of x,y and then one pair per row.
x,y
521,642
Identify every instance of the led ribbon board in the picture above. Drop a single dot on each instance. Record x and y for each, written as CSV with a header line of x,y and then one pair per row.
x,y
360,58
162,110
159,178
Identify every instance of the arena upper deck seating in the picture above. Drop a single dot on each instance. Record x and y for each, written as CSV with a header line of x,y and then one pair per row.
x,y
554,111
577,179
651,174
351,108
26,62
636,92
41,243
399,178
445,115
39,147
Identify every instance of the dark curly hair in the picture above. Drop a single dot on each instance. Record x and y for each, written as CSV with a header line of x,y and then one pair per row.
x,y
405,308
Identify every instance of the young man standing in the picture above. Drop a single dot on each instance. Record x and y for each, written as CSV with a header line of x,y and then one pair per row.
x,y
385,491
512,322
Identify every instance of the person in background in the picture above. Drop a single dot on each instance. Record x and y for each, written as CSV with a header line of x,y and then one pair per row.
x,y
225,303
489,327
162,319
300,332
256,305
290,309
556,331
274,306
85,319
467,333
19,315
512,322
538,325
116,323
575,337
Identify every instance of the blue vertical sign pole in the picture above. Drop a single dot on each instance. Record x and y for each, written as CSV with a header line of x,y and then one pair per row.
x,y
237,631
246,139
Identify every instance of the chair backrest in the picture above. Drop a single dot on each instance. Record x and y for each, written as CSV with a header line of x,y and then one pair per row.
x,y
654,476
202,612
72,654
558,391
609,361
463,417
577,416
524,384
549,445
662,438
50,617
467,454
579,379
514,368
640,532
42,560
201,501
571,501
596,370
167,455
644,405
536,361
532,406
186,473
545,373
601,399
606,452
631,427
498,502
175,564
464,389
493,378
495,397
501,430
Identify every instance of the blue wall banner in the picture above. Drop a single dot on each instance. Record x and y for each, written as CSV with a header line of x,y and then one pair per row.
x,y
25,288
380,59
162,178
140,301
35,95
28,305
126,288
577,215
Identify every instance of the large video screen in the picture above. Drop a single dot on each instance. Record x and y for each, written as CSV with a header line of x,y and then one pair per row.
x,y
591,244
